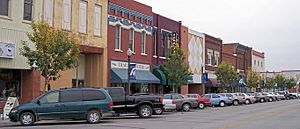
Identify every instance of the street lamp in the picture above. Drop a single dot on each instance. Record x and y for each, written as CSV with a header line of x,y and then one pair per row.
x,y
129,53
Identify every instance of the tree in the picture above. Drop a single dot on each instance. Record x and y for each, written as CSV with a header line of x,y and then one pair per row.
x,y
55,50
290,82
253,79
176,70
270,83
226,75
280,81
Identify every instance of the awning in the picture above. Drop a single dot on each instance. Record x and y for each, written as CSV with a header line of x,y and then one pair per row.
x,y
212,82
142,76
159,74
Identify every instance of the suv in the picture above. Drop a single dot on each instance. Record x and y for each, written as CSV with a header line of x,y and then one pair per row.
x,y
143,104
75,103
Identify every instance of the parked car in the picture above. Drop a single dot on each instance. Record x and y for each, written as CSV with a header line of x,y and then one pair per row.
x,y
75,103
202,102
279,96
168,103
271,97
259,97
182,102
274,96
218,100
295,95
249,99
286,94
144,105
236,100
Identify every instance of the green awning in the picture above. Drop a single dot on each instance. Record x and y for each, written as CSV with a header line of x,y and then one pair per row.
x,y
142,76
162,77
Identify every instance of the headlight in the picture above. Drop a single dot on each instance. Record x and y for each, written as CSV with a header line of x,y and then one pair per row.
x,y
14,110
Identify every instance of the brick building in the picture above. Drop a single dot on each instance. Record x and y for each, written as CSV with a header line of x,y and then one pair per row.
x,y
213,51
164,29
130,26
240,57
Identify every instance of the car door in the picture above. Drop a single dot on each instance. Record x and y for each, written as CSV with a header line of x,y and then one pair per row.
x,y
178,100
216,99
48,106
71,104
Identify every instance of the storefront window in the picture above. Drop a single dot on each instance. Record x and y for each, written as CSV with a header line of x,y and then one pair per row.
x,y
10,83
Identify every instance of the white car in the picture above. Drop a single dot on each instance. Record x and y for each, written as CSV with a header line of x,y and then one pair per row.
x,y
271,97
295,95
168,103
249,99
279,96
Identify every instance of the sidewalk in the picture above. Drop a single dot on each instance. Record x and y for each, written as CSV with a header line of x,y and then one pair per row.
x,y
6,122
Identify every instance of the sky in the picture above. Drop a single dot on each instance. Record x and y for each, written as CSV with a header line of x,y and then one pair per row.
x,y
270,26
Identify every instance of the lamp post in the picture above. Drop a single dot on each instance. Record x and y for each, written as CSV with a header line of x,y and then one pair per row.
x,y
129,53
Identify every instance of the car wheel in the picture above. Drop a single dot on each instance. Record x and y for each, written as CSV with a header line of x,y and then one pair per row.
x,y
235,102
186,107
222,104
270,99
247,101
201,106
262,100
145,111
93,116
158,111
27,119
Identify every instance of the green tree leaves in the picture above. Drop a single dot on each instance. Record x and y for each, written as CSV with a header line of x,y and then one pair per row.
x,y
226,75
253,79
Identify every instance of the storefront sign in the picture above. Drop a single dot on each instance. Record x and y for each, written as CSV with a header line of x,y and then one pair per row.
x,y
9,105
7,50
124,65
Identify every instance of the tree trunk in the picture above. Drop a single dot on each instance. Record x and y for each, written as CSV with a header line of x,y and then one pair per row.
x,y
45,84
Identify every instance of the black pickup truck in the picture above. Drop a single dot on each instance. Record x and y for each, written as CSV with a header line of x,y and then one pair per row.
x,y
143,105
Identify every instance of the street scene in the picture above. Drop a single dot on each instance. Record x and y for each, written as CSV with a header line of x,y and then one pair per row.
x,y
172,64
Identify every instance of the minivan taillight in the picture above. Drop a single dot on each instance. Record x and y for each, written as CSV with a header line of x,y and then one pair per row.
x,y
173,102
110,104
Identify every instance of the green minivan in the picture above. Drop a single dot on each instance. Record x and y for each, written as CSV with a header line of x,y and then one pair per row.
x,y
74,103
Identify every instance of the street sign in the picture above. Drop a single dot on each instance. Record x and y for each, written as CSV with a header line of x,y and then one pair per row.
x,y
132,71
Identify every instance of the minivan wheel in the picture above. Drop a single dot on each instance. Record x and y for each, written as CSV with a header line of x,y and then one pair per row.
x,y
93,116
247,101
27,119
145,111
186,107
235,102
222,104
201,106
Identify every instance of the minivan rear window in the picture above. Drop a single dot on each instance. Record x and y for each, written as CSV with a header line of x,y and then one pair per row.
x,y
70,95
89,95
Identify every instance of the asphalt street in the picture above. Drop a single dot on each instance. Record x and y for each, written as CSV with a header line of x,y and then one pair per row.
x,y
272,115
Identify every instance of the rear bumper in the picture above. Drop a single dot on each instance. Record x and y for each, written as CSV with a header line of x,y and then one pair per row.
x,y
170,107
108,114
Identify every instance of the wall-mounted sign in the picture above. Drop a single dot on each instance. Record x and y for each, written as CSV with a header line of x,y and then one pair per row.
x,y
124,65
7,50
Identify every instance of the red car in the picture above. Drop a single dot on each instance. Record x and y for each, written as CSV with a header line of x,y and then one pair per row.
x,y
202,102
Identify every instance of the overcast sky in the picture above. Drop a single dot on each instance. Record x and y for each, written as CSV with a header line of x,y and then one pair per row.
x,y
271,26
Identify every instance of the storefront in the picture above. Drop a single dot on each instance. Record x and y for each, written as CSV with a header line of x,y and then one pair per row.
x,y
144,80
10,83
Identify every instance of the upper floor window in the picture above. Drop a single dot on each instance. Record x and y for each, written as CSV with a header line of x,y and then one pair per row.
x,y
217,57
254,62
66,20
261,64
4,7
27,10
118,38
82,16
143,49
163,46
209,56
131,39
97,20
154,44
48,11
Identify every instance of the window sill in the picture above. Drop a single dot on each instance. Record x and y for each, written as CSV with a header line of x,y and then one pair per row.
x,y
26,22
162,58
118,50
98,36
5,17
155,56
143,54
66,30
82,33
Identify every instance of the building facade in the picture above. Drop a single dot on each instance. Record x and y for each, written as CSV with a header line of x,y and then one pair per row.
x,y
213,57
130,26
88,21
164,29
258,61
17,79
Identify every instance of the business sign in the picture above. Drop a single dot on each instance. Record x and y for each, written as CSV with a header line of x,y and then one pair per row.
x,y
132,71
124,65
7,50
9,105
